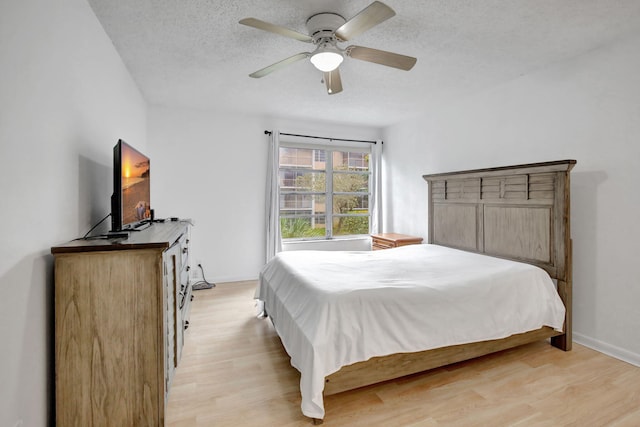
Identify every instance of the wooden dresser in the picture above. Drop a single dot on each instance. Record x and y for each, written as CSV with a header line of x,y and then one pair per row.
x,y
121,307
392,240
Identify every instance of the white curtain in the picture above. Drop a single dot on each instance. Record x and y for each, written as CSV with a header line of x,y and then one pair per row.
x,y
376,187
273,237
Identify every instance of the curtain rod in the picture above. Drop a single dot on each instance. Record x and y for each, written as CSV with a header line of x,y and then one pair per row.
x,y
268,132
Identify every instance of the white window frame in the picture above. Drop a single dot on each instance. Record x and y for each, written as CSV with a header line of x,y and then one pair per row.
x,y
329,148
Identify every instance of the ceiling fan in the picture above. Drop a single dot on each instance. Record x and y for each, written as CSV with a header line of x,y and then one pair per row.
x,y
328,29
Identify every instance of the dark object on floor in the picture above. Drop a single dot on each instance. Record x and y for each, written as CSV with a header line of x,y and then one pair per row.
x,y
202,284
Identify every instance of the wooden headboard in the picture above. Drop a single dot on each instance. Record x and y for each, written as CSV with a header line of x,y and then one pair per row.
x,y
515,212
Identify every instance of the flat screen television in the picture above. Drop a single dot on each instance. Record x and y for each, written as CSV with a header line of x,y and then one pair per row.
x,y
131,199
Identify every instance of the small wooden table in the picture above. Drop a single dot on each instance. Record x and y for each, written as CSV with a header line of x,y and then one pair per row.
x,y
392,240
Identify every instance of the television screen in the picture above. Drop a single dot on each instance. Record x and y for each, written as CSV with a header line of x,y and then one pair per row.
x,y
131,187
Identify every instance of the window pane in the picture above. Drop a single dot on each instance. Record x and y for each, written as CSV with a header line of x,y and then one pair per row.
x,y
302,204
300,157
306,206
346,225
350,183
346,160
320,156
302,227
351,204
300,180
305,158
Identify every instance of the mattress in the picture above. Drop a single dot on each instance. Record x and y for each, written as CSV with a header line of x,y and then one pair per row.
x,y
333,309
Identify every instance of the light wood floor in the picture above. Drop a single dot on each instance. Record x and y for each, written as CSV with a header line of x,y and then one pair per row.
x,y
234,372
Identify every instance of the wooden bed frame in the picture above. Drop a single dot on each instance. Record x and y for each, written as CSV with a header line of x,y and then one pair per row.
x,y
514,212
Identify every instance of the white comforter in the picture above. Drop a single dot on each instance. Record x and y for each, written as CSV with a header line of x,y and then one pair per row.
x,y
332,309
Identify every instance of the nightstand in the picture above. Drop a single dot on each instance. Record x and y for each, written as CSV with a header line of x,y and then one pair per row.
x,y
392,240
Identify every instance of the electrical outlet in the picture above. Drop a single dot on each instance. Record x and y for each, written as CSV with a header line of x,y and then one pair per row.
x,y
196,272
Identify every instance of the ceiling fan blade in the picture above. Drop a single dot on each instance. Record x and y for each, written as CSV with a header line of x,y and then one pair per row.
x,y
277,29
278,65
369,17
333,81
382,57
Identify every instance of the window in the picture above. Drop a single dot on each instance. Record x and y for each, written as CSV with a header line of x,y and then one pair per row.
x,y
324,192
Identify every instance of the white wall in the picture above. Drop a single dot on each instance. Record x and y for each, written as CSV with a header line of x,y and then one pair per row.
x,y
65,99
210,166
585,108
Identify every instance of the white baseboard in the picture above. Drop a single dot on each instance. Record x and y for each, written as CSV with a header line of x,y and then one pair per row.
x,y
196,277
608,349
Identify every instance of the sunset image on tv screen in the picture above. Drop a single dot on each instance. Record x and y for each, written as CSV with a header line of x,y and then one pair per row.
x,y
135,186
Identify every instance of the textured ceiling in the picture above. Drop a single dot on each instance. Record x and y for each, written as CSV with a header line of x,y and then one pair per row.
x,y
194,54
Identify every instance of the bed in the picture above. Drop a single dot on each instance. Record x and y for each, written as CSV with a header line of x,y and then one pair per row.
x,y
496,273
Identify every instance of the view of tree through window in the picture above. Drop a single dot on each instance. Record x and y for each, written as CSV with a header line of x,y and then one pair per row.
x,y
313,179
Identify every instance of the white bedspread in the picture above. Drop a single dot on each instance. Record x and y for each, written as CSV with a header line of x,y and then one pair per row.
x,y
332,309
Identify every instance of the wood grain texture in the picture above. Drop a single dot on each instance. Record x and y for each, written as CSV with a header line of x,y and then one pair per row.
x,y
393,240
519,232
509,224
457,225
380,369
117,328
108,350
156,236
234,372
521,213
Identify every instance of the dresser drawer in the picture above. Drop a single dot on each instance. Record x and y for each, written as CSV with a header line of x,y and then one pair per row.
x,y
381,244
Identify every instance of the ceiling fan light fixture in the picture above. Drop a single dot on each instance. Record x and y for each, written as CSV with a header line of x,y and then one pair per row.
x,y
327,60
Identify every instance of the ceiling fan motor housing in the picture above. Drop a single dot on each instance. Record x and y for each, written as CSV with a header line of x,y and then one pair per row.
x,y
322,25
